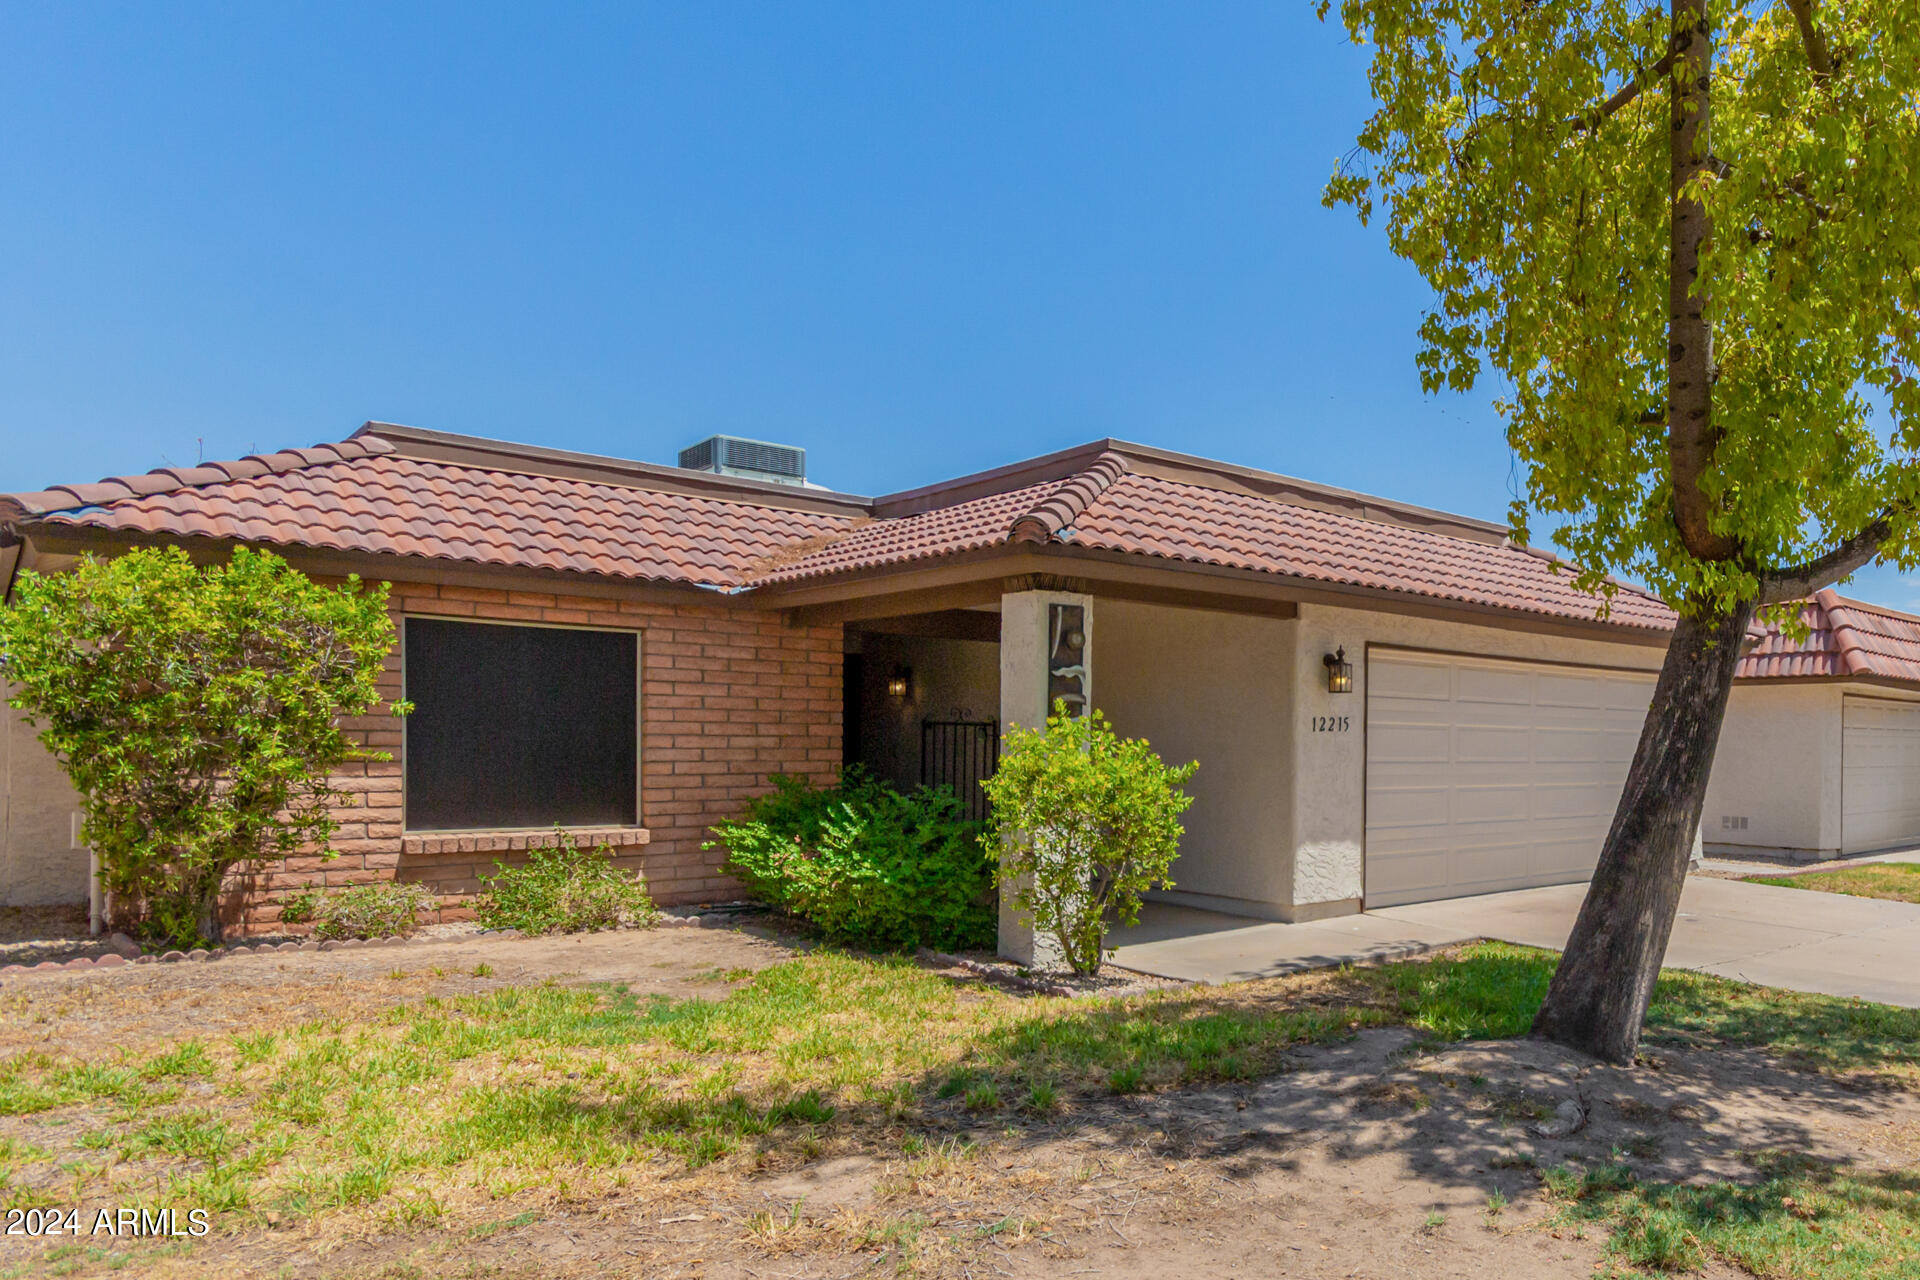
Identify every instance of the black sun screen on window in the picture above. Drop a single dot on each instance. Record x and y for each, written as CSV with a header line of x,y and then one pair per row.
x,y
519,726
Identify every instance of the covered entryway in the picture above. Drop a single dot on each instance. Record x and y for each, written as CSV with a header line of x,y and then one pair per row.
x,y
922,700
1880,774
1486,775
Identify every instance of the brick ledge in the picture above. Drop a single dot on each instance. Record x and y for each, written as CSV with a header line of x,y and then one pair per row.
x,y
506,841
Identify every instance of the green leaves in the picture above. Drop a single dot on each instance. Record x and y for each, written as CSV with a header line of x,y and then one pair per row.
x,y
1085,821
865,863
198,712
563,888
1542,224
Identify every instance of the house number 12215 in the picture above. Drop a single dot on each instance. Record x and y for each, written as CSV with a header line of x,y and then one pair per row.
x,y
1330,724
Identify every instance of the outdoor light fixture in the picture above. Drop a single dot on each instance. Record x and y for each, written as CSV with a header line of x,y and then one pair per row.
x,y
900,682
1339,671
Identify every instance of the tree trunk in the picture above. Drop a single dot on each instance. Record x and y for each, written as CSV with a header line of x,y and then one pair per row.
x,y
1600,992
208,924
1691,435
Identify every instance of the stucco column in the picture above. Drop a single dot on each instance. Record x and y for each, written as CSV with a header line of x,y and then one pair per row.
x,y
1329,767
1036,658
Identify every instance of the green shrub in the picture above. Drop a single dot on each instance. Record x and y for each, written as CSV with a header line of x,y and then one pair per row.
x,y
1084,822
384,909
564,888
865,863
199,713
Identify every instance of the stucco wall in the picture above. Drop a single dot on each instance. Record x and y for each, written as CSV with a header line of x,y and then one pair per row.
x,y
1213,687
1329,778
952,680
38,864
1778,766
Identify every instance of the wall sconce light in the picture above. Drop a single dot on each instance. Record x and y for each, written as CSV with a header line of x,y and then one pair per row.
x,y
900,683
1339,671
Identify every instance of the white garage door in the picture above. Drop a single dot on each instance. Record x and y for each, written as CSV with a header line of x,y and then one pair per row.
x,y
1484,776
1880,774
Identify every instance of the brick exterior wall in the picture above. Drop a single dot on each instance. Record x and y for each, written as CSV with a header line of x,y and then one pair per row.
x,y
728,697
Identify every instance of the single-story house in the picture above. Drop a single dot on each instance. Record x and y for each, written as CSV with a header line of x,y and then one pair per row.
x,y
1820,751
1388,703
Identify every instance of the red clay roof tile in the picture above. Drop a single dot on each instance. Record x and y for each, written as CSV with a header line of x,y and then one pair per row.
x,y
1174,520
1844,638
363,495
414,507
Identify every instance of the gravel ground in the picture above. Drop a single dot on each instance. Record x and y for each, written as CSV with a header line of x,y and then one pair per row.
x,y
30,935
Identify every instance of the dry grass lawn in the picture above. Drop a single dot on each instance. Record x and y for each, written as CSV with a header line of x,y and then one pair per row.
x,y
720,1103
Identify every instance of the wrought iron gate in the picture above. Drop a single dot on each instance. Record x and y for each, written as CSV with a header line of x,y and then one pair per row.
x,y
960,754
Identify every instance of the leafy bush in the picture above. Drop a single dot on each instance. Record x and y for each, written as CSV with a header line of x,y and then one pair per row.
x,y
384,909
866,863
1085,821
197,711
564,888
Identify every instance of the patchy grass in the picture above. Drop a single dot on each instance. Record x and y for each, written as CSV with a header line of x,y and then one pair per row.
x,y
1899,881
1801,1219
1492,990
445,1108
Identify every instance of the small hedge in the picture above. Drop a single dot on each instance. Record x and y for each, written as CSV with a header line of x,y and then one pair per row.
x,y
383,909
563,888
866,864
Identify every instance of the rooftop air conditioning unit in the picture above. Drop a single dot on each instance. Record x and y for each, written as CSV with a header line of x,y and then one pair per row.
x,y
750,459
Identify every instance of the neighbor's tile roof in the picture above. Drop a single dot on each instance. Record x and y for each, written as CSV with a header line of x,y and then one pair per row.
x,y
362,496
1844,638
365,495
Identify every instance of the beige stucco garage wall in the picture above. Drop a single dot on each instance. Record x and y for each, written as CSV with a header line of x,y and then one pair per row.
x,y
1329,778
1778,767
38,864
1213,687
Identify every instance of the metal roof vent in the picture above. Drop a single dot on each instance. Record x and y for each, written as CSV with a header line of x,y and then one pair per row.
x,y
751,459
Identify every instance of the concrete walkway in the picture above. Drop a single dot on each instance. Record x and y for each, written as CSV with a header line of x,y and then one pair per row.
x,y
1806,941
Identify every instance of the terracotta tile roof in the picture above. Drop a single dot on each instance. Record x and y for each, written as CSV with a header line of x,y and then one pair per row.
x,y
64,497
373,500
1109,508
944,531
369,495
1845,638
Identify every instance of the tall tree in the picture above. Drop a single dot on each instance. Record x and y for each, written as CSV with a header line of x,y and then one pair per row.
x,y
1686,240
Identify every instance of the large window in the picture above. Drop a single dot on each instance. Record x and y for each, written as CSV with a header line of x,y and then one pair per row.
x,y
520,726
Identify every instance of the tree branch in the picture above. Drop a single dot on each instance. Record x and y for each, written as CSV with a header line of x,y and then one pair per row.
x,y
1628,92
1796,581
1818,55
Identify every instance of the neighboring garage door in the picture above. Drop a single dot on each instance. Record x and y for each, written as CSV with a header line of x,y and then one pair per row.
x,y
1484,776
1880,774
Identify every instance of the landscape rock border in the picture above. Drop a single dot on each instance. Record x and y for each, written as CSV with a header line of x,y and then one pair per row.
x,y
708,918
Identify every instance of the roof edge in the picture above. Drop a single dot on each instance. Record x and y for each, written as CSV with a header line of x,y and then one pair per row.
x,y
1187,468
505,455
71,497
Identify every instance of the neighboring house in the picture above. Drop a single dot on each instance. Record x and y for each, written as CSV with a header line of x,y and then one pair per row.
x,y
1820,752
1387,703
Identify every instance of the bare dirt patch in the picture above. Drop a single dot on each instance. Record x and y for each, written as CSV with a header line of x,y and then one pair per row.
x,y
138,1006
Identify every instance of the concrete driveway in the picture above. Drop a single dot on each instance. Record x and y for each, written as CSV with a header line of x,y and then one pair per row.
x,y
1795,938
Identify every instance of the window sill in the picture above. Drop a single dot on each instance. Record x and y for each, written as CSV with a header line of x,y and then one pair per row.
x,y
508,841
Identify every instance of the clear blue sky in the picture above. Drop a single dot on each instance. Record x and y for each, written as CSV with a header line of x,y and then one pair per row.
x,y
917,240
